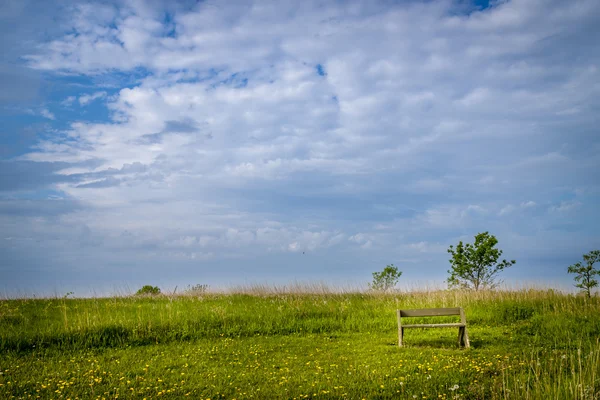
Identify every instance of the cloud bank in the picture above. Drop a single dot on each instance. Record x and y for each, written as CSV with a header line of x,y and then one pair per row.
x,y
234,138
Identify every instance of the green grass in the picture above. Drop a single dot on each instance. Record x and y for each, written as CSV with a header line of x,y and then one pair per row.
x,y
526,344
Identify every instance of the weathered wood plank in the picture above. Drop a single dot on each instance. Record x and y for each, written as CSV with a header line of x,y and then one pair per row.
x,y
457,325
400,330
430,312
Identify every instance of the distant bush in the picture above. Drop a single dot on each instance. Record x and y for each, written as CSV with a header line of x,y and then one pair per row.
x,y
148,290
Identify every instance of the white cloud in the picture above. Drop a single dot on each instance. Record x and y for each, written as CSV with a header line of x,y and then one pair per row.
x,y
507,209
68,101
427,122
365,241
475,97
47,114
565,206
88,98
528,204
427,247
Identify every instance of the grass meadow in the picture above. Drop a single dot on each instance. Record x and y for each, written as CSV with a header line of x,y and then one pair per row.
x,y
268,343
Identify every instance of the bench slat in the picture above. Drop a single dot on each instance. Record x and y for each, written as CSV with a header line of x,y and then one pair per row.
x,y
430,312
457,325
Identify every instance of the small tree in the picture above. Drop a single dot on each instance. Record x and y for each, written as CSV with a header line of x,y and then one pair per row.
x,y
386,279
148,290
585,273
474,266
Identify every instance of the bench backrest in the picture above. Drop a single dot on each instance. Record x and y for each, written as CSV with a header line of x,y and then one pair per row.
x,y
434,312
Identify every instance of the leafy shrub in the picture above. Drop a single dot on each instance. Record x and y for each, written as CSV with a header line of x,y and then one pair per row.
x,y
148,290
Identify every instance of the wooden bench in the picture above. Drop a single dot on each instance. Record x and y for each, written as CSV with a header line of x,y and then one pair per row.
x,y
463,336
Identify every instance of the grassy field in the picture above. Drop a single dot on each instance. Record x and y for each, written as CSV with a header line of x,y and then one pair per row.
x,y
526,344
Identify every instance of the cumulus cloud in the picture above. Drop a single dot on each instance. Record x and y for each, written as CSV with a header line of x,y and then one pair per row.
x,y
365,241
248,128
47,114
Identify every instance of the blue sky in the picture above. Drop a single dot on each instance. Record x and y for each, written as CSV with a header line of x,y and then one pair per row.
x,y
227,142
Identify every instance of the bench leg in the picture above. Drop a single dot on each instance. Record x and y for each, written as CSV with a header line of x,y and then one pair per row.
x,y
400,328
466,338
463,337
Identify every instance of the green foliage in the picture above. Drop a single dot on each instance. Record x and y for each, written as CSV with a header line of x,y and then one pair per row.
x,y
474,266
148,290
585,273
385,280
